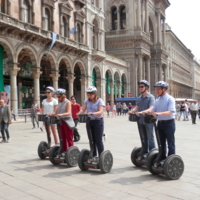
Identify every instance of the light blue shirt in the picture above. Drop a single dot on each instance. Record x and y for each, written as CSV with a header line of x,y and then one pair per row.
x,y
144,103
94,106
163,104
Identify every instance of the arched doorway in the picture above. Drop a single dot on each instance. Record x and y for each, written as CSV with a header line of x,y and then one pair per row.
x,y
77,83
62,81
123,86
117,92
108,77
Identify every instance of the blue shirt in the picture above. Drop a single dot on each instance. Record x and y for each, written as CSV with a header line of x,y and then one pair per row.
x,y
94,106
145,103
163,104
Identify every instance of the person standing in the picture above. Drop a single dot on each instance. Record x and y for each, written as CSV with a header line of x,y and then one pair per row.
x,y
49,107
194,111
182,111
34,111
5,120
114,110
144,102
129,106
75,109
14,116
94,106
125,108
118,108
164,109
107,109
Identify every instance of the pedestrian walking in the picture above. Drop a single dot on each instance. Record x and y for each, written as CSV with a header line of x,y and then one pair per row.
x,y
34,111
49,107
194,111
182,111
12,113
118,108
144,102
75,109
114,110
129,106
124,109
178,107
5,120
108,109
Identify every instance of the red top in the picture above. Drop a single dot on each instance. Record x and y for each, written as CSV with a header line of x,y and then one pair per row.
x,y
75,109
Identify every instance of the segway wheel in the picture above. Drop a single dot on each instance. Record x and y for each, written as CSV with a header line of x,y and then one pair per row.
x,y
41,148
134,155
173,167
52,154
151,160
71,156
105,162
83,157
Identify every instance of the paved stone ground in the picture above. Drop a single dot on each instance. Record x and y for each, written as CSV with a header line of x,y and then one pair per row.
x,y
23,176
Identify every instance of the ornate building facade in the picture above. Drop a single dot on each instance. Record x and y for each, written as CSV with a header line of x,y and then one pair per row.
x,y
75,61
137,33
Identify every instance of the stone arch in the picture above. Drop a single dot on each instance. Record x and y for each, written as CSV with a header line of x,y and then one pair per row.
x,y
81,65
98,71
9,49
30,50
50,57
67,62
124,84
111,73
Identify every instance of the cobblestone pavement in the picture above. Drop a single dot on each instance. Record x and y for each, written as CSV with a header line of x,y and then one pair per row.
x,y
23,176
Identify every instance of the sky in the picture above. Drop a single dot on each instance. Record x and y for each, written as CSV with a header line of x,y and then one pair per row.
x,y
183,16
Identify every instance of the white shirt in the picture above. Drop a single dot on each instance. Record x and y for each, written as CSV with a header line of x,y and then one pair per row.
x,y
194,107
114,107
186,107
49,106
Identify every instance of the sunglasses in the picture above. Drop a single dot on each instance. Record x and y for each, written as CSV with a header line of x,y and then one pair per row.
x,y
58,97
141,86
47,92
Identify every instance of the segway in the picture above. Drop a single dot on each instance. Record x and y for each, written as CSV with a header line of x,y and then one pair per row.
x,y
44,147
172,167
138,155
56,156
104,162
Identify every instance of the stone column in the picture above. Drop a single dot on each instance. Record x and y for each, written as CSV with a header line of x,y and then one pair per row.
x,y
43,18
140,67
139,13
13,86
103,90
98,84
33,12
147,16
160,72
159,30
118,19
148,69
99,41
111,93
19,95
71,85
36,76
83,93
164,33
55,78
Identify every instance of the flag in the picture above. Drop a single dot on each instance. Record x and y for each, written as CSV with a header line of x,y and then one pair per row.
x,y
73,30
54,36
1,69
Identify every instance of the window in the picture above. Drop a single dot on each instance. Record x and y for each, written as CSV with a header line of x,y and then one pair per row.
x,y
123,17
47,20
2,6
114,18
65,27
26,11
78,33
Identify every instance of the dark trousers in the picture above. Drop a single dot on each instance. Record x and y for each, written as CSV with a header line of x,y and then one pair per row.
x,y
108,112
166,131
4,129
14,116
194,116
76,133
147,137
97,128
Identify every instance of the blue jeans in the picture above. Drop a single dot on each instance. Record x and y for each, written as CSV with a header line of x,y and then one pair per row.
x,y
182,113
147,135
166,131
4,129
97,128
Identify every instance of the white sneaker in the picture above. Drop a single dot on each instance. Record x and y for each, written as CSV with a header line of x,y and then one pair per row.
x,y
3,141
104,136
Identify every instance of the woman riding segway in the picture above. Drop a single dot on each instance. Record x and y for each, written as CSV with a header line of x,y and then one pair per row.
x,y
95,126
49,107
67,152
